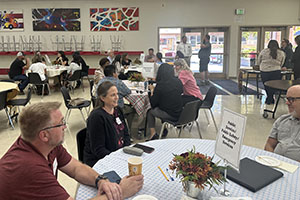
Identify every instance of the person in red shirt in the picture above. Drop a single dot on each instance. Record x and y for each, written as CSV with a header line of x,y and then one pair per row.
x,y
29,168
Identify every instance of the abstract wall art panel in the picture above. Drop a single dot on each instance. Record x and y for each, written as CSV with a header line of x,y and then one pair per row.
x,y
11,20
56,19
114,19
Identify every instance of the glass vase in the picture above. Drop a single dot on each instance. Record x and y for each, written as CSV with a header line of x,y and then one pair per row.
x,y
192,191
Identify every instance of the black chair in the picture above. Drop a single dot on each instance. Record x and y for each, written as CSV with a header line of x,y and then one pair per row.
x,y
67,100
35,79
188,115
73,80
93,98
208,102
19,102
3,96
85,72
80,138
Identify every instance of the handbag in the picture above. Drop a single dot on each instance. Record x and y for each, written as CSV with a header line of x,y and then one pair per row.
x,y
77,101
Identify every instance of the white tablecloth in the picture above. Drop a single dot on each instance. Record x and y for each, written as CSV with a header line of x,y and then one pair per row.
x,y
53,71
285,188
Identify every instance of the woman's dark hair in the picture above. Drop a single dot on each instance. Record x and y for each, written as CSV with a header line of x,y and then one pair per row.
x,y
102,92
165,72
124,56
62,54
159,56
273,46
103,61
117,59
297,40
76,58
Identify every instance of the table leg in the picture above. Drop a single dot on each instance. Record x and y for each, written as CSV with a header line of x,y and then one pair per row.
x,y
257,91
247,79
274,109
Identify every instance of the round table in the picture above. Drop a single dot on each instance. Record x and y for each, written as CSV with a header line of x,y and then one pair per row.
x,y
282,86
155,184
53,71
7,86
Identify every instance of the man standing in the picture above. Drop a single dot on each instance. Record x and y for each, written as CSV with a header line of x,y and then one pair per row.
x,y
204,55
29,168
284,138
186,49
16,68
111,56
150,57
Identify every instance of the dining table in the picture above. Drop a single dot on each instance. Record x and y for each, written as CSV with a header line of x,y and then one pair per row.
x,y
155,184
55,70
281,86
11,88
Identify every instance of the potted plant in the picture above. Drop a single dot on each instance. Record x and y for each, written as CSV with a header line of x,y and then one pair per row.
x,y
197,171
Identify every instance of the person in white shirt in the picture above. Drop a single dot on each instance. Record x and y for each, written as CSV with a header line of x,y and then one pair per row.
x,y
74,66
186,49
111,56
38,66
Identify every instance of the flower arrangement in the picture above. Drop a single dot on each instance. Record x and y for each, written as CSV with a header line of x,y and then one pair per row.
x,y
136,77
197,168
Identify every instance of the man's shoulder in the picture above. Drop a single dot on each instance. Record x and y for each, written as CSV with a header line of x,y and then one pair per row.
x,y
285,117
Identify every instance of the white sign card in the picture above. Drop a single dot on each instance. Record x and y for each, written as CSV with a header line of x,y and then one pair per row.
x,y
142,57
148,69
230,137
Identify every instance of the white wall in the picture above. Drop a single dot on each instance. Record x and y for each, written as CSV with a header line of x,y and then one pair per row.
x,y
165,13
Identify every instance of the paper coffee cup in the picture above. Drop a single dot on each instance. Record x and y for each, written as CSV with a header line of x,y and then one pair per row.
x,y
135,166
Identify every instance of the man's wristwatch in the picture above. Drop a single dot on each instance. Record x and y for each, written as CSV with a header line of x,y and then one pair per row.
x,y
100,177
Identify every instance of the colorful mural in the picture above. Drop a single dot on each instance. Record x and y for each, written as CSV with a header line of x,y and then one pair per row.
x,y
114,19
11,20
56,19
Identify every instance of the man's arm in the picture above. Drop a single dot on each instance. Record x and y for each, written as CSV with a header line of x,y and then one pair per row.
x,y
271,144
27,65
86,175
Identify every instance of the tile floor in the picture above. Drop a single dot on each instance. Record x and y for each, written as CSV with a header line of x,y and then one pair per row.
x,y
257,129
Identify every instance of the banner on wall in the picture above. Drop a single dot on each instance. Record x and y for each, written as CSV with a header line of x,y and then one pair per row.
x,y
11,20
114,19
56,19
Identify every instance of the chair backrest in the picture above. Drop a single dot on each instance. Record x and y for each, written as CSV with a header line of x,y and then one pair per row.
x,y
3,96
66,95
91,87
189,112
210,97
75,76
34,78
80,137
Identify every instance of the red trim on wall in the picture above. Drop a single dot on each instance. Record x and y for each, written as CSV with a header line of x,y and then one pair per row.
x,y
4,71
88,53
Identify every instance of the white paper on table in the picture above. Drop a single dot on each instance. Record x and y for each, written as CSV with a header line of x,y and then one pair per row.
x,y
287,167
230,198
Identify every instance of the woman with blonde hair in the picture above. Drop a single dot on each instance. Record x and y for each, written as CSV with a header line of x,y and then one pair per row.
x,y
191,91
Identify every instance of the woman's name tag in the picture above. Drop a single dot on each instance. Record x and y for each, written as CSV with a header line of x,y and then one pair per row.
x,y
118,121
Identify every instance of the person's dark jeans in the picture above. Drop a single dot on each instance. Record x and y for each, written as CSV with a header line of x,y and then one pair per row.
x,y
24,81
268,76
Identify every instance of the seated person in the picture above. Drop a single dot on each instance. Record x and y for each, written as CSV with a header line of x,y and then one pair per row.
x,y
111,75
150,57
125,60
99,73
111,55
61,59
74,66
191,91
31,164
38,66
284,138
165,98
84,68
106,127
16,69
117,63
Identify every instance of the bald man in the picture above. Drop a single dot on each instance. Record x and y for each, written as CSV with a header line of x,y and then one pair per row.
x,y
284,138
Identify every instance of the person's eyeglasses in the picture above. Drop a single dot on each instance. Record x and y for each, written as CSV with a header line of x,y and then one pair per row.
x,y
55,126
292,99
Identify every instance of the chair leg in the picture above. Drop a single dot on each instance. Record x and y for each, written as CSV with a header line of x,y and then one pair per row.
x,y
206,117
82,84
48,89
43,90
9,118
162,129
82,115
191,127
199,130
212,115
66,115
179,131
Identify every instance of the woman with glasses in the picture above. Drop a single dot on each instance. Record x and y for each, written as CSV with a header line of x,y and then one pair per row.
x,y
106,127
270,61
